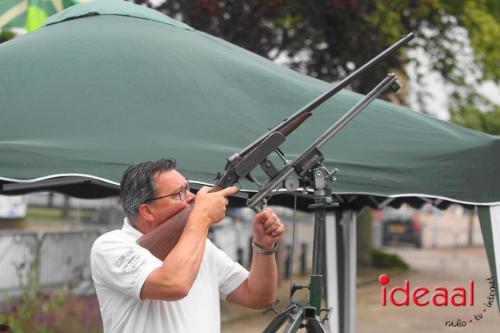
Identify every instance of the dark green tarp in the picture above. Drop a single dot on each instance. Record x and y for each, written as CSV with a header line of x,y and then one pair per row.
x,y
88,94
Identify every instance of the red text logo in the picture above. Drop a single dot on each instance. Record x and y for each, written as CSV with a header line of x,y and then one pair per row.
x,y
422,296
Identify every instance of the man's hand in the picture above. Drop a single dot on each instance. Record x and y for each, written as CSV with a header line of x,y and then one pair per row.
x,y
267,228
211,207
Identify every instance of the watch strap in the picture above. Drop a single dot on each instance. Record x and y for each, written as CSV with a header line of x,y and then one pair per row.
x,y
266,252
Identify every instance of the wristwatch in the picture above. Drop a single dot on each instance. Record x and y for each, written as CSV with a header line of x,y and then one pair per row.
x,y
266,252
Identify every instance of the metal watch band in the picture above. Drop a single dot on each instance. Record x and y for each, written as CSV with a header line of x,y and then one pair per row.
x,y
266,252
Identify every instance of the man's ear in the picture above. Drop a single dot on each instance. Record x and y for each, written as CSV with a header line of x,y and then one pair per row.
x,y
145,212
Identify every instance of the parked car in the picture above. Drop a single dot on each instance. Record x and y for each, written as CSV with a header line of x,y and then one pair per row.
x,y
401,227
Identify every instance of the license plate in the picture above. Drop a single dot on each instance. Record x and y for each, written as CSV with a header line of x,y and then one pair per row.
x,y
398,229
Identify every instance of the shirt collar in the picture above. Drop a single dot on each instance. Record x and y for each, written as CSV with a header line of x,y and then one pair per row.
x,y
130,230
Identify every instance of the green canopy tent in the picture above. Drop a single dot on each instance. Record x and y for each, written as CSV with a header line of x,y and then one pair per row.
x,y
109,83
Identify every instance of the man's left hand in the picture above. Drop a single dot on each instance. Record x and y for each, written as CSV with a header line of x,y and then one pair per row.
x,y
267,228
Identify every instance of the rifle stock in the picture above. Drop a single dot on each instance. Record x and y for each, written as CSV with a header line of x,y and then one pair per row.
x,y
163,239
292,125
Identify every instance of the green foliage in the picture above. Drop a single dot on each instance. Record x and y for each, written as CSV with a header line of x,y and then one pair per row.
x,y
334,35
5,35
481,18
470,116
55,312
329,39
19,313
339,36
437,22
381,259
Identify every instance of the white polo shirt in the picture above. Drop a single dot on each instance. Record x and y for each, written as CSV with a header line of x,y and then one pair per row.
x,y
120,267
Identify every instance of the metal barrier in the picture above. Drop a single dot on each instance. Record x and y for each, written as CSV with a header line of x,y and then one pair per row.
x,y
58,257
65,257
17,254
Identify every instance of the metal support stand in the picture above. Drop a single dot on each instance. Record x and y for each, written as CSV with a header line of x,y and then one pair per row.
x,y
311,171
309,316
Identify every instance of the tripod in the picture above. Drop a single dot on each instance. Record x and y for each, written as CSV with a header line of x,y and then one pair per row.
x,y
312,173
308,315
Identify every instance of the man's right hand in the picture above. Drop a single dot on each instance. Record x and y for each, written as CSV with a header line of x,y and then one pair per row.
x,y
211,207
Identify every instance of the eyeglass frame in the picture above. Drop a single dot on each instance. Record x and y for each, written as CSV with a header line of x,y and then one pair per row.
x,y
185,189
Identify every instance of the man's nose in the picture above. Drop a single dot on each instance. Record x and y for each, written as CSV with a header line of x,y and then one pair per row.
x,y
190,197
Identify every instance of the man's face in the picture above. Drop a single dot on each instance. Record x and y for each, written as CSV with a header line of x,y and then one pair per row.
x,y
166,183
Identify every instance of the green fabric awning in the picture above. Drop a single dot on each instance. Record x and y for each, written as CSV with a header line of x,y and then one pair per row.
x,y
109,83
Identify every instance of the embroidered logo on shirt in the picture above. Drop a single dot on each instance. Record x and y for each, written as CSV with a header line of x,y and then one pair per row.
x,y
129,262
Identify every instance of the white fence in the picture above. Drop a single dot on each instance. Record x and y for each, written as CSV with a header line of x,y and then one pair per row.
x,y
63,257
54,257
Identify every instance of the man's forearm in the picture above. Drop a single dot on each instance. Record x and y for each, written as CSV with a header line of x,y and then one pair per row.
x,y
263,280
183,262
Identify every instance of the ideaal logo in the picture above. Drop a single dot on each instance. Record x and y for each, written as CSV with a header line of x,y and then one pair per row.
x,y
422,296
438,296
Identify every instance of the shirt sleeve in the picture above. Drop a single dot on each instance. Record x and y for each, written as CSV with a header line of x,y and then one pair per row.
x,y
121,264
230,273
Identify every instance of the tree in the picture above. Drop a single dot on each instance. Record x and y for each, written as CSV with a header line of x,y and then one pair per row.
x,y
469,115
329,39
5,35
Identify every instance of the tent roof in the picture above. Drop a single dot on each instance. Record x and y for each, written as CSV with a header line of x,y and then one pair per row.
x,y
88,94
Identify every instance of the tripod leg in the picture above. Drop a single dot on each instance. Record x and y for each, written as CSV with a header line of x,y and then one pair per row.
x,y
280,319
315,326
295,322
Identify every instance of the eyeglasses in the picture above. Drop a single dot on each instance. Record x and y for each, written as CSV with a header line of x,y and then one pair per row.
x,y
182,194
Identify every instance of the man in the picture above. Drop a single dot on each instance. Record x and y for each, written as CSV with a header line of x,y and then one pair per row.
x,y
138,292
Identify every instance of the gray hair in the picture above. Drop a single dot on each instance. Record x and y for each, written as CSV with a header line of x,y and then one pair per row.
x,y
138,184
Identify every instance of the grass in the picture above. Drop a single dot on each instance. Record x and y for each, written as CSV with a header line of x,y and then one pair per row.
x,y
53,217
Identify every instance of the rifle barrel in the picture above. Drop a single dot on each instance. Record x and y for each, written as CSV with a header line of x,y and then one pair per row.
x,y
325,96
357,108
266,189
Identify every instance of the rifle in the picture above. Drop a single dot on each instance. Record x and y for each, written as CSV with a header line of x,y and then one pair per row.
x,y
240,165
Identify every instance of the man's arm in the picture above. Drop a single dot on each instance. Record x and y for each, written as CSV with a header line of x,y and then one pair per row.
x,y
259,290
173,280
